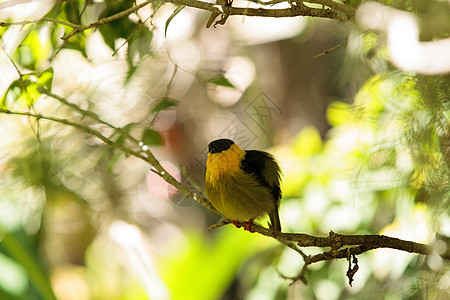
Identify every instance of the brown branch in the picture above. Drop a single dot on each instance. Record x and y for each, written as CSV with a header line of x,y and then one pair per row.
x,y
336,11
336,241
295,11
348,10
343,44
329,3
341,246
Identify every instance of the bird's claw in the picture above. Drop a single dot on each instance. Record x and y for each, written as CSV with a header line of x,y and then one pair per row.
x,y
248,224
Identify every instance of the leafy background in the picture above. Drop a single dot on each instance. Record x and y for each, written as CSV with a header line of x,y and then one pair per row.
x,y
364,149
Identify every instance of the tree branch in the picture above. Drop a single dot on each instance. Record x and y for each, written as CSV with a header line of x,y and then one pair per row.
x,y
331,4
341,246
114,17
144,153
335,11
341,14
336,241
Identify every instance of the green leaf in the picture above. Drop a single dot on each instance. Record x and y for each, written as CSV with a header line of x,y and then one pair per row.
x,y
141,42
77,42
127,128
339,113
191,262
24,90
56,12
33,50
124,132
164,103
138,47
28,89
21,254
46,79
175,12
222,81
121,28
13,278
72,12
151,137
308,142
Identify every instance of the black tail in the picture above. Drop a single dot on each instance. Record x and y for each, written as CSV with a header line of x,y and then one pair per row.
x,y
275,219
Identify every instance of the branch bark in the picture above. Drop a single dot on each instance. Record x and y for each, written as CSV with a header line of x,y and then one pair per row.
x,y
336,241
339,12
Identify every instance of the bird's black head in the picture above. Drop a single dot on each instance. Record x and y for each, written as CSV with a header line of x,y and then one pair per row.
x,y
218,146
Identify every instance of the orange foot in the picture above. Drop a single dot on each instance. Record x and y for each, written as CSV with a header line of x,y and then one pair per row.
x,y
248,224
235,223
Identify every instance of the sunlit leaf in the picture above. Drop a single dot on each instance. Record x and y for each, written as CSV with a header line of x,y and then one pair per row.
x,y
34,49
175,12
77,42
339,113
46,79
164,103
229,249
25,89
21,254
308,141
25,57
11,92
28,89
13,279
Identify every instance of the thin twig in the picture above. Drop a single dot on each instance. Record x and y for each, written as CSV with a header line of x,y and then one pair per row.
x,y
78,109
294,247
81,127
329,3
331,49
109,19
44,19
138,26
300,9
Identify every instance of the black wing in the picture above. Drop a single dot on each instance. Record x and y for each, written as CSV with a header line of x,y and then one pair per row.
x,y
265,168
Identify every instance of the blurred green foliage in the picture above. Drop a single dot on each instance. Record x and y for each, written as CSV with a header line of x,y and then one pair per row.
x,y
383,167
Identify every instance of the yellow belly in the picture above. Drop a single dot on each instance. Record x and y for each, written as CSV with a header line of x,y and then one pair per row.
x,y
238,196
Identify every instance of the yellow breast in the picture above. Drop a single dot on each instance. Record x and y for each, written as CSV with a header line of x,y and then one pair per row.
x,y
226,162
234,193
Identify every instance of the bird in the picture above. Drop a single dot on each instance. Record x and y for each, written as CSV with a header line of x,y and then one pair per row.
x,y
243,184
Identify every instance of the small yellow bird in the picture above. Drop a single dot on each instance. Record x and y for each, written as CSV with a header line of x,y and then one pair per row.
x,y
243,185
